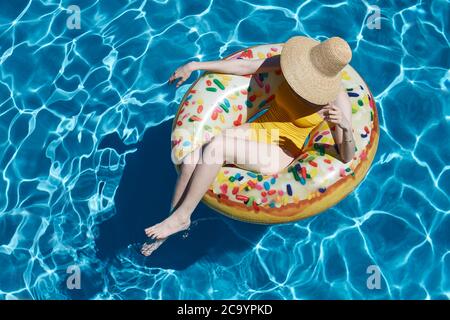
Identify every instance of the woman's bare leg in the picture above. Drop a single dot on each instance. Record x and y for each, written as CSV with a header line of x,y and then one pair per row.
x,y
223,148
187,167
190,162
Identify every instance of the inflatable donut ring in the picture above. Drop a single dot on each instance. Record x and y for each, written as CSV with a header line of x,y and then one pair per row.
x,y
314,182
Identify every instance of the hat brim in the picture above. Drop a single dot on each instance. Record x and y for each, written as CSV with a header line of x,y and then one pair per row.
x,y
302,76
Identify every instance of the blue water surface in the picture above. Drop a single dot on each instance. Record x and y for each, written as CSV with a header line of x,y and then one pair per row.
x,y
85,120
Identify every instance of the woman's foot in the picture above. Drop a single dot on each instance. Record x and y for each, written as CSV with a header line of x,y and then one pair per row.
x,y
148,248
176,222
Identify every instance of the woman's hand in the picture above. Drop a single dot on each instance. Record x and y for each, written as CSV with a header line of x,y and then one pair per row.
x,y
333,114
183,72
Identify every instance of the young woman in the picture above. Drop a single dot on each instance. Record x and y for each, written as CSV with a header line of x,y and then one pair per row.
x,y
310,93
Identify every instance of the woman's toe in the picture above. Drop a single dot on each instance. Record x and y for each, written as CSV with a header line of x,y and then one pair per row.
x,y
152,227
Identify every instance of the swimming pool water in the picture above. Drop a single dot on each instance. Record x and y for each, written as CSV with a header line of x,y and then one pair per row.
x,y
85,119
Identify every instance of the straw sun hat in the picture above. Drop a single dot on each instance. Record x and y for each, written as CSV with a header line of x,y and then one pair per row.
x,y
313,69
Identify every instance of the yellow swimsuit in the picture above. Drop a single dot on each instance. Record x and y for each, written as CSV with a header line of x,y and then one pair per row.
x,y
293,119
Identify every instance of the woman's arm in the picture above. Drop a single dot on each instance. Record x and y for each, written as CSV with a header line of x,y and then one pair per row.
x,y
235,66
238,66
340,114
